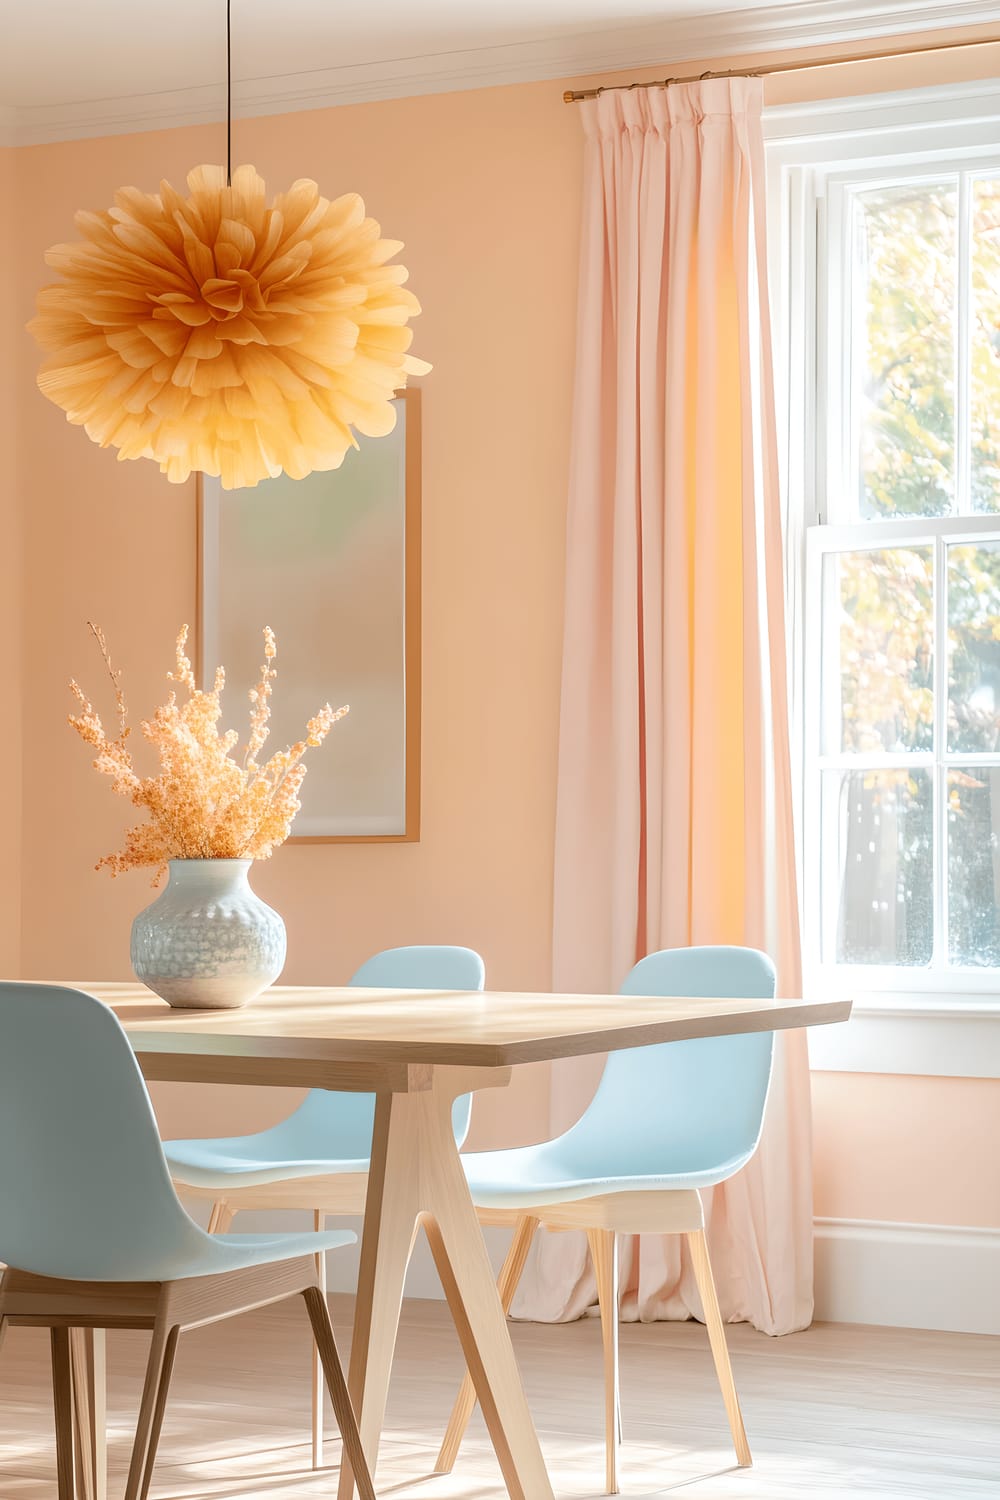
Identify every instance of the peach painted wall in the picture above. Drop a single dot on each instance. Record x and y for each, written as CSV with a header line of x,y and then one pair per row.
x,y
911,1150
483,186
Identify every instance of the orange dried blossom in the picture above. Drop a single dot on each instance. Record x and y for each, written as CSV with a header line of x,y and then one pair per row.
x,y
207,802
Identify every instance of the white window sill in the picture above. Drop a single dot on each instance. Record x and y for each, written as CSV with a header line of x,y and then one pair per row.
x,y
934,1035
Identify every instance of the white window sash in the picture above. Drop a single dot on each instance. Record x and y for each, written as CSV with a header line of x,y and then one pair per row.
x,y
941,1021
939,976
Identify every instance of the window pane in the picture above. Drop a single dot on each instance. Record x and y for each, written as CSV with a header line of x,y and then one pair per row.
x,y
973,866
878,688
903,374
878,867
985,385
974,647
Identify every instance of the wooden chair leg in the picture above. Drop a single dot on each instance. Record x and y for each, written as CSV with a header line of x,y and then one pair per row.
x,y
507,1282
604,1254
319,1223
319,1317
167,1370
221,1217
88,1360
717,1339
62,1401
154,1395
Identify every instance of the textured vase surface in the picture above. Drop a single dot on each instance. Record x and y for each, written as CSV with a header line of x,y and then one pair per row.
x,y
207,942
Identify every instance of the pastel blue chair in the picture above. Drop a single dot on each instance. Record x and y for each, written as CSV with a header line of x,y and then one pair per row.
x,y
317,1159
93,1234
665,1121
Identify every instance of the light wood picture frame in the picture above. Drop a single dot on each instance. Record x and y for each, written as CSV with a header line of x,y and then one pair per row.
x,y
332,564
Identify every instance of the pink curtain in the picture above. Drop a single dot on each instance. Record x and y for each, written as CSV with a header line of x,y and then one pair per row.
x,y
674,821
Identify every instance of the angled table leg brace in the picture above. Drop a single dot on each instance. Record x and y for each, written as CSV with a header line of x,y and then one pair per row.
x,y
416,1177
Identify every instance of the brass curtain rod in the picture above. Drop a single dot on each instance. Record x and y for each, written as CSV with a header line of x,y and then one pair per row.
x,y
573,96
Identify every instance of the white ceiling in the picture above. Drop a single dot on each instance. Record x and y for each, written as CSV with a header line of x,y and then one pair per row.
x,y
88,67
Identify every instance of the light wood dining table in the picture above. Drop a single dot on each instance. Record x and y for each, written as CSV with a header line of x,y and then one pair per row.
x,y
416,1051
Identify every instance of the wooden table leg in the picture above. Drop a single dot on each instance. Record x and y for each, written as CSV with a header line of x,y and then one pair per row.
x,y
391,1209
87,1357
416,1173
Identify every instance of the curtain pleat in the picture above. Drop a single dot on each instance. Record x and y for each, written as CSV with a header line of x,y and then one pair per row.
x,y
674,821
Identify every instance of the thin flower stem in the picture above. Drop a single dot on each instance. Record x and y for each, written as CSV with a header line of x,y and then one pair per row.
x,y
115,676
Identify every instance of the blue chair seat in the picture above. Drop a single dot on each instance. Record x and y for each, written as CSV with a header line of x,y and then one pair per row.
x,y
533,1176
249,1160
235,1252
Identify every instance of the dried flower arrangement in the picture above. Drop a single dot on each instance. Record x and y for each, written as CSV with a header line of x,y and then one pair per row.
x,y
205,803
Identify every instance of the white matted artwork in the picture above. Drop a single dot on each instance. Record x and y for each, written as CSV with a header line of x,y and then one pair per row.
x,y
332,563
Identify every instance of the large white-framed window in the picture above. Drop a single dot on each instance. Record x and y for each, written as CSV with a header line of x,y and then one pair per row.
x,y
885,220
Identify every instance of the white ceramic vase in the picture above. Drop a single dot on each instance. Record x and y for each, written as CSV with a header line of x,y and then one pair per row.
x,y
207,942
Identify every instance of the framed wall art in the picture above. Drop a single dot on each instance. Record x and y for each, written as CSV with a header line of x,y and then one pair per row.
x,y
332,563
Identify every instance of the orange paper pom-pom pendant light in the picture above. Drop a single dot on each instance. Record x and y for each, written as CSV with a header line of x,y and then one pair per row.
x,y
219,333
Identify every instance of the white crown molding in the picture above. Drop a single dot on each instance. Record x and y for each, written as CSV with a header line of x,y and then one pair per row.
x,y
809,23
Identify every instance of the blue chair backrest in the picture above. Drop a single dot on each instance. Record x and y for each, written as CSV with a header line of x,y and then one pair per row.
x,y
85,1193
324,1116
680,1104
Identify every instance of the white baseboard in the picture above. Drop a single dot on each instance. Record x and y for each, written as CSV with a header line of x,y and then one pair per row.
x,y
908,1275
867,1271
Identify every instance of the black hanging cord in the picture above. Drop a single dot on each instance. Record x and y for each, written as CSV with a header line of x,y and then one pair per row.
x,y
229,92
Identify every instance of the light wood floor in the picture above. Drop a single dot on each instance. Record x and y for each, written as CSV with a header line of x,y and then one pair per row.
x,y
837,1411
